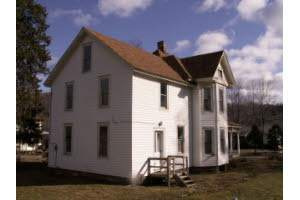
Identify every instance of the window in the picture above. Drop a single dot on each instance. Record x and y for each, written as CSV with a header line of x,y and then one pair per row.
x,y
69,96
104,91
68,139
207,99
158,142
163,95
221,100
222,138
87,51
220,74
103,141
180,138
208,141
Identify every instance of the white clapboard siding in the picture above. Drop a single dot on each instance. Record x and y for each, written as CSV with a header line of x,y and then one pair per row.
x,y
147,114
86,114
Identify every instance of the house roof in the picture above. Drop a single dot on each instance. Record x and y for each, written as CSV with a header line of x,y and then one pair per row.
x,y
165,66
136,57
204,65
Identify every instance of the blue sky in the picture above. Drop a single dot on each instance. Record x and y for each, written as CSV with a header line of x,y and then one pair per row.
x,y
250,31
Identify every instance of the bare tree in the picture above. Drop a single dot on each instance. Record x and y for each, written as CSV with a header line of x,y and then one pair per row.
x,y
236,99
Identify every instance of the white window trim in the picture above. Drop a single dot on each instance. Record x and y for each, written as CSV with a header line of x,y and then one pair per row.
x,y
109,90
162,107
65,105
184,138
222,128
221,88
212,141
211,99
82,66
65,153
108,139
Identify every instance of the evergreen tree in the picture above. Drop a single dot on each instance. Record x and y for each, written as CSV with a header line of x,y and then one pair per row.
x,y
31,59
275,137
255,138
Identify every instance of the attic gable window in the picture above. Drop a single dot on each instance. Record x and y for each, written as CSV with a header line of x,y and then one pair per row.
x,y
220,74
163,95
207,99
87,56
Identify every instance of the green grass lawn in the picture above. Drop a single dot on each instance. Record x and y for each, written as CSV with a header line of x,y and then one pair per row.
x,y
253,179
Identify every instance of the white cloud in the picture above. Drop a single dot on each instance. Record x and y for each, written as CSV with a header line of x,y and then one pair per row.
x,y
122,8
211,5
211,41
262,59
182,45
248,9
77,15
52,62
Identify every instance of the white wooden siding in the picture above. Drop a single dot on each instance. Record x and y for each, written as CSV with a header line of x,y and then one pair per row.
x,y
86,114
147,114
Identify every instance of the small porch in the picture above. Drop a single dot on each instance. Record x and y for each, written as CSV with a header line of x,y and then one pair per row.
x,y
170,167
234,139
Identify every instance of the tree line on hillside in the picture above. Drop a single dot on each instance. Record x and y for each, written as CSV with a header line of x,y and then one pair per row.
x,y
253,104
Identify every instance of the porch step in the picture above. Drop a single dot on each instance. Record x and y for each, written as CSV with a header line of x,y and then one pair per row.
x,y
184,180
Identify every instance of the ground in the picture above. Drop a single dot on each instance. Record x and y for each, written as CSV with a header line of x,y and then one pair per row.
x,y
250,177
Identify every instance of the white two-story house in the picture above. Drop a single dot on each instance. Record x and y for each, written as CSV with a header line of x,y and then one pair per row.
x,y
114,105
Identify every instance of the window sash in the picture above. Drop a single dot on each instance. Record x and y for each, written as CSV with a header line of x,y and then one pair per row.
x,y
222,140
163,95
221,100
207,99
103,141
220,73
69,96
104,92
87,51
68,139
180,138
208,141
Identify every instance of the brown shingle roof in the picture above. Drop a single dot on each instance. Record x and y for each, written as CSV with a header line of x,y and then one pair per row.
x,y
202,66
138,58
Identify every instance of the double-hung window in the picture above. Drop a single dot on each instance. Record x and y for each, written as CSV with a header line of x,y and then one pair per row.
x,y
163,95
87,57
69,96
104,91
207,104
68,139
208,141
103,140
222,140
221,100
180,138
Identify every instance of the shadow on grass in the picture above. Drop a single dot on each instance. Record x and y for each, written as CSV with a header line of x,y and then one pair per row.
x,y
38,174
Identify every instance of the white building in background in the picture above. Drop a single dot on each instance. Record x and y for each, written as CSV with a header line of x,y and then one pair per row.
x,y
115,105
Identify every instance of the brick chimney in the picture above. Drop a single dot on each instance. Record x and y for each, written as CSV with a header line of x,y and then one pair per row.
x,y
161,49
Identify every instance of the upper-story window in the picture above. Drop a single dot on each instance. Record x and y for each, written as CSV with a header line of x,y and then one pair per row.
x,y
87,56
104,91
163,95
220,74
221,100
207,99
69,96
